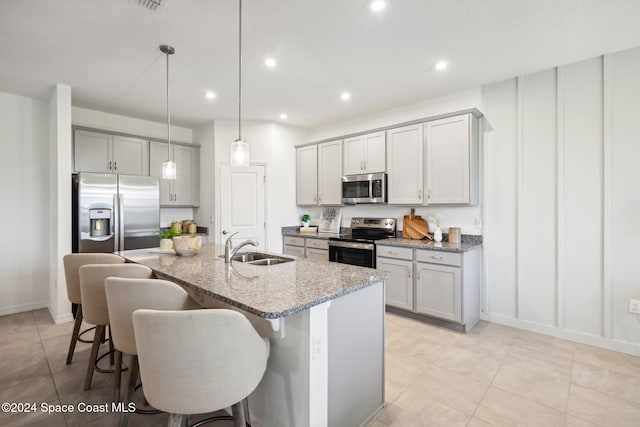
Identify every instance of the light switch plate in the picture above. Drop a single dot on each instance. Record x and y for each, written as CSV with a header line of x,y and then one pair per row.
x,y
634,306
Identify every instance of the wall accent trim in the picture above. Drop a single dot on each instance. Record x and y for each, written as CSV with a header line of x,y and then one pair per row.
x,y
560,211
519,190
607,172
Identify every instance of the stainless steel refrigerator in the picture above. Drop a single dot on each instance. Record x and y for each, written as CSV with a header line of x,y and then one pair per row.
x,y
114,212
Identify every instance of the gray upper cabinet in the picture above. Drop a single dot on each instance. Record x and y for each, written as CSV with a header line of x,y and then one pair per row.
x,y
451,161
404,165
307,175
365,154
330,173
183,191
106,153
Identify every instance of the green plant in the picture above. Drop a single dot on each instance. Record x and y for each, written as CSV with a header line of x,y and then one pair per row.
x,y
305,218
169,233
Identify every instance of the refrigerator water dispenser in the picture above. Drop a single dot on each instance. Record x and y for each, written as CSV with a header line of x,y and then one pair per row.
x,y
100,219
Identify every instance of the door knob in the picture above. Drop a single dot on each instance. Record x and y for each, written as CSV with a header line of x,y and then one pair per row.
x,y
225,232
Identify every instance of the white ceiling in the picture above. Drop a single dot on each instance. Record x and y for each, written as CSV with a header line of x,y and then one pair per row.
x,y
107,51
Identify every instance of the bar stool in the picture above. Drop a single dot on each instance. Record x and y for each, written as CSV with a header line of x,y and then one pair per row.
x,y
199,361
72,262
124,296
94,301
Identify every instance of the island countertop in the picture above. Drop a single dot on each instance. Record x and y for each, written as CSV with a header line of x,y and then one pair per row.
x,y
269,292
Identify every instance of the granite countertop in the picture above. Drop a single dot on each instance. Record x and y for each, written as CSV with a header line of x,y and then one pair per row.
x,y
294,232
428,244
270,292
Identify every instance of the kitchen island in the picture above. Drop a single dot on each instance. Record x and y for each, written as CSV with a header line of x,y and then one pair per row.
x,y
325,321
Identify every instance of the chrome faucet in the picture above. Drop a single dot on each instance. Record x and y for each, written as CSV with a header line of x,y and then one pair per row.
x,y
229,252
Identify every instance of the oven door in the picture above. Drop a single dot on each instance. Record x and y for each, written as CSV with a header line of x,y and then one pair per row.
x,y
362,254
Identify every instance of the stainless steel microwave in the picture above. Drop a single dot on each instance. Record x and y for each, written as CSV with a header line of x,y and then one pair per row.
x,y
365,188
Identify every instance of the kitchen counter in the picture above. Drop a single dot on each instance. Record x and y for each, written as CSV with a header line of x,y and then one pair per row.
x,y
429,244
325,322
294,232
269,292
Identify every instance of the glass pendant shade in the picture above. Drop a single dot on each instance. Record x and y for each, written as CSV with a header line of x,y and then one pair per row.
x,y
169,170
239,153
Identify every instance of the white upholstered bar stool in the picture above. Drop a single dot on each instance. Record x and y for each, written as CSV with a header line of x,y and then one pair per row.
x,y
124,296
94,300
72,263
199,361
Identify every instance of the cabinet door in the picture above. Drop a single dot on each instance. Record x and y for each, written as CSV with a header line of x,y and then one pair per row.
x,y
447,160
307,175
404,165
92,152
375,153
318,254
130,155
438,291
353,155
159,153
330,173
184,184
294,250
399,287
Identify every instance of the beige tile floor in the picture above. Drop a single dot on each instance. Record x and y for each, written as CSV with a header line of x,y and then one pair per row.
x,y
501,376
493,376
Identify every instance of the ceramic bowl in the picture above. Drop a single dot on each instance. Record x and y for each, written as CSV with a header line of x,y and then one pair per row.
x,y
187,245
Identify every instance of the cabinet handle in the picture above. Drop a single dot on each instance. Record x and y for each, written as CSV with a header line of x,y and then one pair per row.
x,y
429,194
361,165
436,257
110,164
408,273
319,198
115,166
365,165
418,272
420,194
393,253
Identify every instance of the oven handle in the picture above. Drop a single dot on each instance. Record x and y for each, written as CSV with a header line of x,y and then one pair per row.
x,y
352,245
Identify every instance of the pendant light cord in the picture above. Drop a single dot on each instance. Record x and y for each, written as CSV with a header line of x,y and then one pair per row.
x,y
168,110
240,72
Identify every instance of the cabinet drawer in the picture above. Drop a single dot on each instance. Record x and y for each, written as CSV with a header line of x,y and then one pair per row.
x,y
439,257
317,243
395,252
319,254
290,240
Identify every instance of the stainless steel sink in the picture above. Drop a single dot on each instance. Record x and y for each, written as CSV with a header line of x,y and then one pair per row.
x,y
258,258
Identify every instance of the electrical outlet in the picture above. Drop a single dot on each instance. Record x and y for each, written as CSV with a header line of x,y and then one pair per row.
x,y
478,223
634,306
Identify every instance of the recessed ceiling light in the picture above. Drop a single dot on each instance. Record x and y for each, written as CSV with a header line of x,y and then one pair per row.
x,y
377,5
270,62
210,95
283,116
441,65
345,96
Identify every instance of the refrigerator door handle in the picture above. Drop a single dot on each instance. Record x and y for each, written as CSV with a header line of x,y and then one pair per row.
x,y
116,223
121,222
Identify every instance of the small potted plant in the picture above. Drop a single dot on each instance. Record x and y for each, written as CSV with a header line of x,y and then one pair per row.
x,y
166,238
305,220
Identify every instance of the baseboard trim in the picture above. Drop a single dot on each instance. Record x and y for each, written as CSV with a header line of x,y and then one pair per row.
x,y
63,318
23,307
580,337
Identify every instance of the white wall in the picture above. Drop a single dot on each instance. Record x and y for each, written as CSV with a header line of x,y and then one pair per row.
x,y
24,272
270,143
205,136
463,217
562,197
116,123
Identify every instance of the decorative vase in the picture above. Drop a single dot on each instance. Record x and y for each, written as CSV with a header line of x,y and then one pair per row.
x,y
166,244
437,234
305,224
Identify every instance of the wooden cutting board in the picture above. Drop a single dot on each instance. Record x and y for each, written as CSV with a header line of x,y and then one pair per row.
x,y
414,227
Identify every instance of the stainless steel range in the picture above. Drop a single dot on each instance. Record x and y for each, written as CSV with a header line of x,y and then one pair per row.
x,y
359,247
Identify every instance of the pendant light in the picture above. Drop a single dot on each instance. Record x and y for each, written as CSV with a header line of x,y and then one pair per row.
x,y
168,167
239,148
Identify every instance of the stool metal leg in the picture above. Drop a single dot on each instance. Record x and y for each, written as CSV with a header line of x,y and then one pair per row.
x,y
111,349
177,420
238,415
117,376
74,335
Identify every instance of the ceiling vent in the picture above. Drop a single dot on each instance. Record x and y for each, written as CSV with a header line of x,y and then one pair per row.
x,y
153,5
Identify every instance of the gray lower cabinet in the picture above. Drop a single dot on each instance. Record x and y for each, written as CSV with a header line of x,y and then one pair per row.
x,y
308,247
444,285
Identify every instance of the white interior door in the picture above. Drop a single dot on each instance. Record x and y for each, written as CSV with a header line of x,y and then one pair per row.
x,y
242,204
